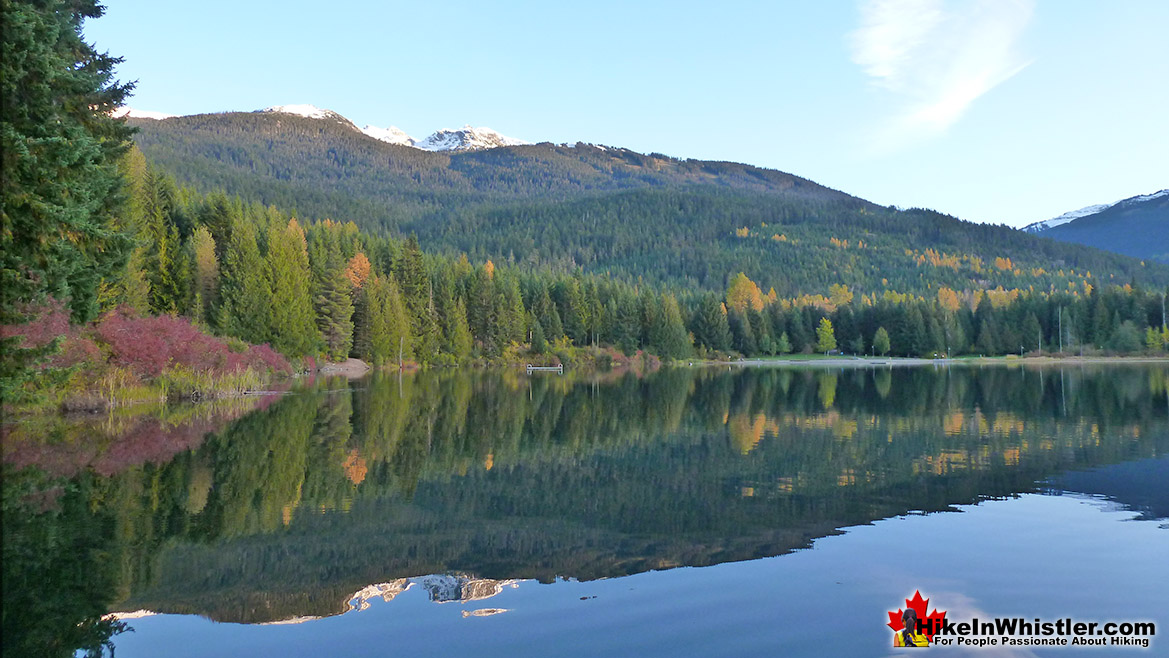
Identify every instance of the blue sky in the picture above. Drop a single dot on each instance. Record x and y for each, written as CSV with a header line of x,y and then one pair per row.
x,y
1003,111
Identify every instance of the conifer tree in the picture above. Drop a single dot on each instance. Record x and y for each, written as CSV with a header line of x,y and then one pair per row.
x,y
539,343
332,289
783,345
333,305
294,331
742,337
60,184
206,272
1032,332
668,335
759,327
512,318
458,334
710,324
986,340
571,304
133,289
389,323
626,331
414,285
245,294
481,304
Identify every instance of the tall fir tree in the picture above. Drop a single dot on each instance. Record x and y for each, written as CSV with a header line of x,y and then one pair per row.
x,y
332,289
294,331
60,187
206,273
414,284
389,323
710,326
668,337
245,293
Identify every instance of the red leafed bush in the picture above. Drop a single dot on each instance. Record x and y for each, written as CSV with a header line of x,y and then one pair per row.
x,y
76,350
145,346
263,357
149,345
49,322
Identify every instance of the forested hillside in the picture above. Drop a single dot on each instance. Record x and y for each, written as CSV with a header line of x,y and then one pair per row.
x,y
635,217
327,288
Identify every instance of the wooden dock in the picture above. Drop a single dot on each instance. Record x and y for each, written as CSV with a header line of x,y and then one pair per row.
x,y
557,369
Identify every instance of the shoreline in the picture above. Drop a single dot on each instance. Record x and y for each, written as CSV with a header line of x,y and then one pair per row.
x,y
869,362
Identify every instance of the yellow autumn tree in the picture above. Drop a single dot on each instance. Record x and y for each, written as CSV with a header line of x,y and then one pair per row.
x,y
357,270
744,293
839,294
948,299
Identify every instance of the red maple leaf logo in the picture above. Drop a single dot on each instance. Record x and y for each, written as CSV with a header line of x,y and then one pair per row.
x,y
929,623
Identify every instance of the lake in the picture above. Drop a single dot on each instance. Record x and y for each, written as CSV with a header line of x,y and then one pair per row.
x,y
713,511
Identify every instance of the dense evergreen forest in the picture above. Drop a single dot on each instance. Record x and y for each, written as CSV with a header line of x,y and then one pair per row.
x,y
313,243
611,211
329,289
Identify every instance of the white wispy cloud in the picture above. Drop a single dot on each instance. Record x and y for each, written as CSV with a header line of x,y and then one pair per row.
x,y
937,57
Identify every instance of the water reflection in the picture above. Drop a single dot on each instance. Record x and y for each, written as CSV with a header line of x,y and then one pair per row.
x,y
286,512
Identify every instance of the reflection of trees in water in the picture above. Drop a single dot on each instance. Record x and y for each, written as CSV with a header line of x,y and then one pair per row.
x,y
506,476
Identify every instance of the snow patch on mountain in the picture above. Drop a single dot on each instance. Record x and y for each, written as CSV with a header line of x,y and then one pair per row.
x,y
310,112
467,139
1039,227
1144,197
391,135
129,112
307,111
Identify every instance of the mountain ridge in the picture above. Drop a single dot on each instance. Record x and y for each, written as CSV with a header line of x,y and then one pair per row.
x,y
634,216
1137,226
1072,215
467,138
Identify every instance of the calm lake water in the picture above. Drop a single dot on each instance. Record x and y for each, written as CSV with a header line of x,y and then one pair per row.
x,y
690,512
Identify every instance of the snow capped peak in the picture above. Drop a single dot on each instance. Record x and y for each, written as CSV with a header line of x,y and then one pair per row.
x,y
1039,227
467,139
391,135
307,111
129,112
1144,197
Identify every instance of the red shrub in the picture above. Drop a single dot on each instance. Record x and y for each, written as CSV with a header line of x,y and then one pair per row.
x,y
263,357
48,322
150,345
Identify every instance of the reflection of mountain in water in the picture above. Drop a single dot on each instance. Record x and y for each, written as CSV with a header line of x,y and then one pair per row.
x,y
447,587
1142,485
441,588
291,510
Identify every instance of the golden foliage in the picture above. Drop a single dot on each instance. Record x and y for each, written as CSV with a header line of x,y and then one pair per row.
x,y
743,293
355,467
948,299
357,270
839,294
